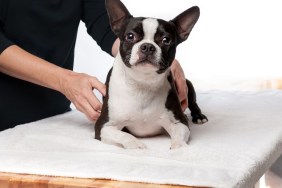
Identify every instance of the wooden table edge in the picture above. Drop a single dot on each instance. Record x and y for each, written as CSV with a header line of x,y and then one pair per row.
x,y
15,180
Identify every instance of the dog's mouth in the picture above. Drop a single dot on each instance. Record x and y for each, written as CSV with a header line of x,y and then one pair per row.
x,y
147,61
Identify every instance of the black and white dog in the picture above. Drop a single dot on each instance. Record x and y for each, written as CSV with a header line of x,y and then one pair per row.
x,y
141,94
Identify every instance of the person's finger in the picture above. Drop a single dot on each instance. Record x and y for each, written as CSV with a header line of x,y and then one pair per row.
x,y
96,84
180,82
84,107
181,88
182,93
93,101
184,104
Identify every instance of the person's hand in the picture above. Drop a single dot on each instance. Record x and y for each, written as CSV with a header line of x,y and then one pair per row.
x,y
180,81
78,88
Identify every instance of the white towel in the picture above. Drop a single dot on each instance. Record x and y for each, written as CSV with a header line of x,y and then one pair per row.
x,y
241,140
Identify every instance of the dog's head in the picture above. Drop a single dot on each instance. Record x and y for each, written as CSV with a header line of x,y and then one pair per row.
x,y
148,43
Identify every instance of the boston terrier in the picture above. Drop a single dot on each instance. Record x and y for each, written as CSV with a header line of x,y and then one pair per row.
x,y
141,98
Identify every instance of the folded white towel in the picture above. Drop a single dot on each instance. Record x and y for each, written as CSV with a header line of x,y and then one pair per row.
x,y
241,140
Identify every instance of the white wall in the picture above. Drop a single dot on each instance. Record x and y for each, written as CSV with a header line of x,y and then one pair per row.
x,y
234,40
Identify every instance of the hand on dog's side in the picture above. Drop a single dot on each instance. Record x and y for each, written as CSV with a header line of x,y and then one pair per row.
x,y
78,88
180,81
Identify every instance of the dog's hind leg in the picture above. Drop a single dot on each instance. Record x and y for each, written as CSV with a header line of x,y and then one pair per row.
x,y
196,113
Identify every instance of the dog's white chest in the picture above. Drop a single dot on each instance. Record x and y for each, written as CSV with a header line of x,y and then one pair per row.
x,y
138,107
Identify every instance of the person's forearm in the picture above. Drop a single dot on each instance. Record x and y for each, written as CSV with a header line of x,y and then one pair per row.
x,y
77,87
18,63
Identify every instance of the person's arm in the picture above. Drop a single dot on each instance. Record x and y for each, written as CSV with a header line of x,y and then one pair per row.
x,y
77,87
95,17
20,64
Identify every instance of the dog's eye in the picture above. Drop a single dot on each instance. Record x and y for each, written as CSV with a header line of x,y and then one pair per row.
x,y
166,41
130,37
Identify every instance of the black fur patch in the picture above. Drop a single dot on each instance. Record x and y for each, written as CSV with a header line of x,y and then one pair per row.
x,y
135,26
173,103
166,29
104,117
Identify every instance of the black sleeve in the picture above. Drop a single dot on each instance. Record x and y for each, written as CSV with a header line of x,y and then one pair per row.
x,y
4,41
95,17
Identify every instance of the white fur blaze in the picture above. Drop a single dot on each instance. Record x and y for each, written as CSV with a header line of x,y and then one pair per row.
x,y
150,27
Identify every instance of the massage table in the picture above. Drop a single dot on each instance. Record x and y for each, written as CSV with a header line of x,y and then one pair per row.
x,y
234,149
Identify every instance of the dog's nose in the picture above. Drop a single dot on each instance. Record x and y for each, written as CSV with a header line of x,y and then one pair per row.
x,y
147,48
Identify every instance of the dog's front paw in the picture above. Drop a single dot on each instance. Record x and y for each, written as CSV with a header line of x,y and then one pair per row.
x,y
134,144
199,118
177,145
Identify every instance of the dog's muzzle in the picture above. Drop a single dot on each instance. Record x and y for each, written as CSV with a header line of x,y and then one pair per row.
x,y
147,55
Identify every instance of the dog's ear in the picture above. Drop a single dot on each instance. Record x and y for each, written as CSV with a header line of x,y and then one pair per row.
x,y
117,13
185,22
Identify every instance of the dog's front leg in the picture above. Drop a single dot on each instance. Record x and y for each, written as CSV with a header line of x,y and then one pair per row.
x,y
112,135
179,134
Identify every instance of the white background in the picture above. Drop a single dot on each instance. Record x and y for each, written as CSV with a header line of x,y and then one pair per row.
x,y
233,41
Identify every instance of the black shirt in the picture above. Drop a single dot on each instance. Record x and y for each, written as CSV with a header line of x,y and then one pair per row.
x,y
47,29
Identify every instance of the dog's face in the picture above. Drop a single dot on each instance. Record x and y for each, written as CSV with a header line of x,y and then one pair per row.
x,y
149,44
